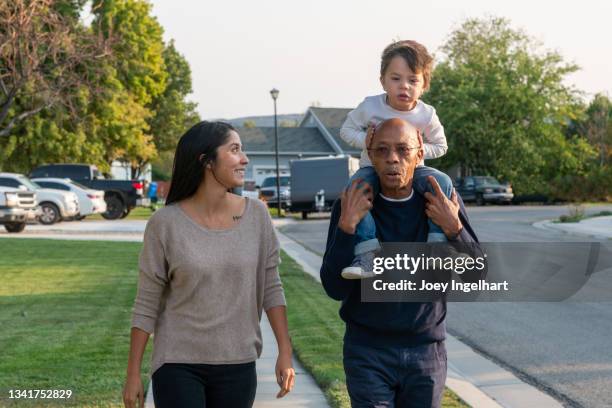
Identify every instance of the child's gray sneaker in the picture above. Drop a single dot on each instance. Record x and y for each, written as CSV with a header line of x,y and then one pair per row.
x,y
362,267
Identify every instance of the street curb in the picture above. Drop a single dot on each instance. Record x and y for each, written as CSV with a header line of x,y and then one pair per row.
x,y
549,225
474,378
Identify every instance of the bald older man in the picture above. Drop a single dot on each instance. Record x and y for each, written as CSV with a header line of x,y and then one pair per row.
x,y
394,354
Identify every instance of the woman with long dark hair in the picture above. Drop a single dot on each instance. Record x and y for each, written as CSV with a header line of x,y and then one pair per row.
x,y
208,268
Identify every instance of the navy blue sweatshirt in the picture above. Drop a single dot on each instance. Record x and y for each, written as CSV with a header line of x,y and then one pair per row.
x,y
401,324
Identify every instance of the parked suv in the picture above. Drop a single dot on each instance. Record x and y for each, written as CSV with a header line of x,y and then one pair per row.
x,y
121,196
54,205
16,208
267,192
483,189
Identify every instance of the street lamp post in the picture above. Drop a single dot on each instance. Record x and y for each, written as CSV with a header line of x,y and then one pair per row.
x,y
274,93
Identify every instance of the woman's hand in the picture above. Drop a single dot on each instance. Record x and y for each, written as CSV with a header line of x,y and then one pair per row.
x,y
285,374
133,392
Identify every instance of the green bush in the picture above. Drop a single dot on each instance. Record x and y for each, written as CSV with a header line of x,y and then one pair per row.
x,y
596,185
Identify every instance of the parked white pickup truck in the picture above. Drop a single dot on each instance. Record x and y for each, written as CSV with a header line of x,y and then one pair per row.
x,y
17,208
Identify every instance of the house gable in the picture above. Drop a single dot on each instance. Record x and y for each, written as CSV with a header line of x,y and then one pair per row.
x,y
329,121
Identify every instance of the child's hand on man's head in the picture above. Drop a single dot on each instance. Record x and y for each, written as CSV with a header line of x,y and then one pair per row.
x,y
370,134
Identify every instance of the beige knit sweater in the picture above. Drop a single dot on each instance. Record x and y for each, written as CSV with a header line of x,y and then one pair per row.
x,y
201,291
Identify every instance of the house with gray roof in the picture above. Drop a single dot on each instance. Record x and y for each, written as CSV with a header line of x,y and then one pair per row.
x,y
318,134
329,121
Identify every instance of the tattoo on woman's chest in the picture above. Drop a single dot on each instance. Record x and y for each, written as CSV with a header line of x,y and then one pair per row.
x,y
237,217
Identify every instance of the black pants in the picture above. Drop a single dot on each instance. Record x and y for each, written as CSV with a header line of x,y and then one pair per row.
x,y
205,385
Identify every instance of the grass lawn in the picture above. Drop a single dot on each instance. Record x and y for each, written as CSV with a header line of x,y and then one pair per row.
x,y
65,309
317,332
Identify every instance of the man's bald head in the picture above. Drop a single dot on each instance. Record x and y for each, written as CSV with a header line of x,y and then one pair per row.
x,y
396,127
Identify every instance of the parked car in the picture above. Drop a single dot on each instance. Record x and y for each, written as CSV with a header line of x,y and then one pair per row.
x,y
249,189
267,191
90,201
17,207
121,196
317,182
483,189
54,205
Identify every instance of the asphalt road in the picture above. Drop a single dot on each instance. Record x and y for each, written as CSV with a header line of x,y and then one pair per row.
x,y
565,349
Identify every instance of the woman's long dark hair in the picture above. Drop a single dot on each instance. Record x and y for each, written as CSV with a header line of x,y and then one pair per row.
x,y
197,147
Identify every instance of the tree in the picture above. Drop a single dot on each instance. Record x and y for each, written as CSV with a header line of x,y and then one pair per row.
x,y
173,114
96,94
45,60
139,53
505,108
140,70
118,123
597,126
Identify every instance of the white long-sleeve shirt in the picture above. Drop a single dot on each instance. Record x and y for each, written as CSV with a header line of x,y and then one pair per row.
x,y
375,109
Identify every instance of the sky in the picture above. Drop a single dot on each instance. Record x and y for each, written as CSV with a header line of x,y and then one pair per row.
x,y
328,51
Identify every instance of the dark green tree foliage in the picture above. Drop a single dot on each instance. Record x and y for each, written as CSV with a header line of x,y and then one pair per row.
x,y
173,113
596,184
505,107
597,126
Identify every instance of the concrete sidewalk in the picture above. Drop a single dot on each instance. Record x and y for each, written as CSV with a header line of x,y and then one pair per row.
x,y
596,227
477,380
